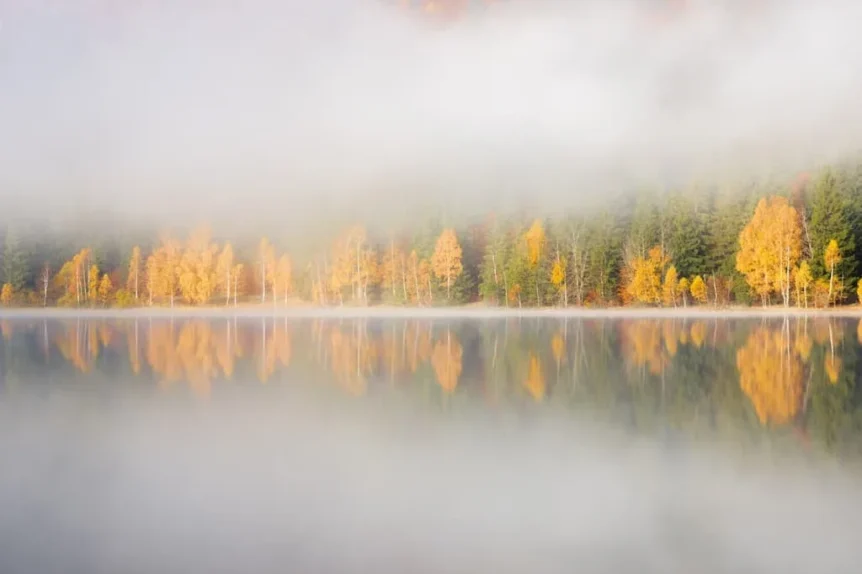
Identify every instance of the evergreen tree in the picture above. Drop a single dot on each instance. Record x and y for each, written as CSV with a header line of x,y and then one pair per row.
x,y
686,238
15,268
830,219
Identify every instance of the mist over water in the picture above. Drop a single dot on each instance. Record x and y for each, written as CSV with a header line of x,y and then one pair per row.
x,y
304,112
359,445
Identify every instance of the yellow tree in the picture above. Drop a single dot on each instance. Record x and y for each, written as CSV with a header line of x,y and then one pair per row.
x,y
446,260
283,278
558,279
224,272
93,284
197,267
535,240
393,273
698,289
769,247
133,281
670,286
832,257
239,285
265,265
7,294
802,280
682,289
645,273
105,290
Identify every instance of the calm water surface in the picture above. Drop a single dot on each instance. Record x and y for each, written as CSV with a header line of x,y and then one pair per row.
x,y
506,445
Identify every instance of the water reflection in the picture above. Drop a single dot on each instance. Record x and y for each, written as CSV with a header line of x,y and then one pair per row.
x,y
701,375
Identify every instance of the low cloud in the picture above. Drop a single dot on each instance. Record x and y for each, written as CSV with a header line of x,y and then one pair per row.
x,y
310,112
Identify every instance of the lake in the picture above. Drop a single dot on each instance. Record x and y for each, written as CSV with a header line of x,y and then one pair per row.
x,y
509,444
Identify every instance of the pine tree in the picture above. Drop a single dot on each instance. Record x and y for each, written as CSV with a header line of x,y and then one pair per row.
x,y
830,219
15,271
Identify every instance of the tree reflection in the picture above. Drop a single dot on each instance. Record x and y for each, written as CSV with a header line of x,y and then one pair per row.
x,y
770,374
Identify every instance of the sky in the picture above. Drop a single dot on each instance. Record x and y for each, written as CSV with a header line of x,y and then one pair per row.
x,y
303,113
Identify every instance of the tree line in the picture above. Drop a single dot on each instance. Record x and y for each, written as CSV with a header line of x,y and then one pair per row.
x,y
792,243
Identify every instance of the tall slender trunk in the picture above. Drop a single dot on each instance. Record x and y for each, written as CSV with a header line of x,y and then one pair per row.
x,y
262,280
392,260
831,278
227,289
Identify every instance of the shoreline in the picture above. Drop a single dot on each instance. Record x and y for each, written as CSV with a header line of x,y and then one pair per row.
x,y
453,312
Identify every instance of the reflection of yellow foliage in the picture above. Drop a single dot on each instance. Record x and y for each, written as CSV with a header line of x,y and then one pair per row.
x,y
558,348
446,361
859,326
802,345
770,375
78,343
698,333
669,333
833,368
643,344
6,329
535,383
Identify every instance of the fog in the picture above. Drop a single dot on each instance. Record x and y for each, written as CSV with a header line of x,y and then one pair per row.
x,y
277,479
304,112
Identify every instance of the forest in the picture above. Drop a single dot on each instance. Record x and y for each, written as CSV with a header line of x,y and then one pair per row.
x,y
788,242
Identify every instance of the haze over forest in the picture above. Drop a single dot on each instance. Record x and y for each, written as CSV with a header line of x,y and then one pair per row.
x,y
631,121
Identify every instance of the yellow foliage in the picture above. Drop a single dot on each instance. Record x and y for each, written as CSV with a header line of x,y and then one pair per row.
x,y
105,290
832,255
769,247
133,281
93,284
683,290
558,273
698,289
535,240
446,260
7,294
645,273
670,294
802,281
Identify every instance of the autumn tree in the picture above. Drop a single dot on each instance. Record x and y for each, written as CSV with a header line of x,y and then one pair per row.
x,y
802,279
645,276
239,285
283,278
224,272
446,260
133,281
105,290
698,289
7,294
683,289
163,269
831,258
769,247
535,241
196,272
670,287
93,277
558,279
265,265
